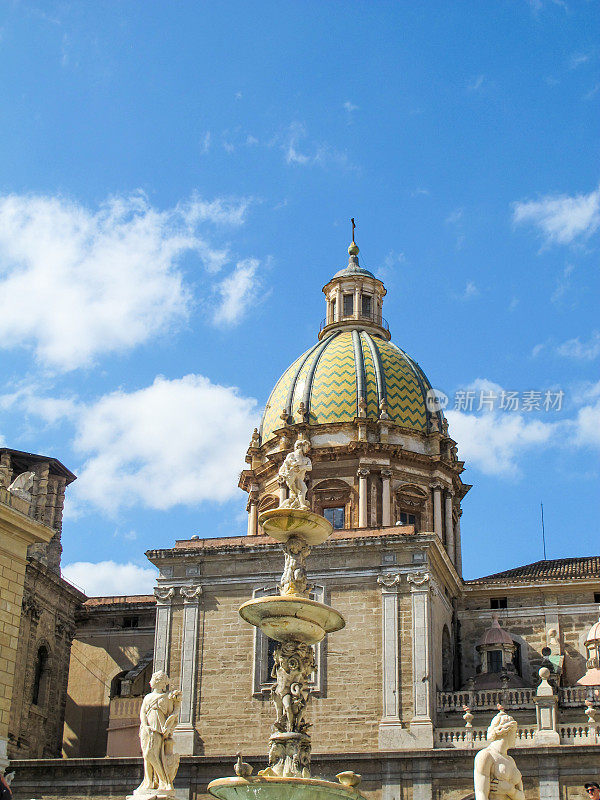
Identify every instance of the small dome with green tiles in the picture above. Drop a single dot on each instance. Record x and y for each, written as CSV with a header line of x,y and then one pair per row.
x,y
350,373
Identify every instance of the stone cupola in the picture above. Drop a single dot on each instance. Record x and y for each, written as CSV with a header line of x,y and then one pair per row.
x,y
381,453
354,299
497,651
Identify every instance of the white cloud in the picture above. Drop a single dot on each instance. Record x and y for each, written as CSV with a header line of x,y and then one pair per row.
x,y
110,579
455,216
476,83
76,283
582,351
563,285
236,292
493,441
586,426
577,59
321,155
205,143
561,219
350,107
178,441
470,291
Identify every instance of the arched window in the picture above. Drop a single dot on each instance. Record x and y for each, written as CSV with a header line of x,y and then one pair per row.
x,y
39,676
447,661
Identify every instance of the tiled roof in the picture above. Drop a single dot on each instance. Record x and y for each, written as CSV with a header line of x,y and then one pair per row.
x,y
253,541
558,569
132,599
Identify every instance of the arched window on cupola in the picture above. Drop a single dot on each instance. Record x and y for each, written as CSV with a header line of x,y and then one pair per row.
x,y
410,503
332,498
266,503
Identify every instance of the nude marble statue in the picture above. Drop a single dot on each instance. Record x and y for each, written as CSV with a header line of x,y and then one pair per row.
x,y
496,775
159,715
293,471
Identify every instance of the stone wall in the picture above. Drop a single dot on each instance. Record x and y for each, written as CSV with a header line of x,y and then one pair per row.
x,y
48,623
550,773
103,649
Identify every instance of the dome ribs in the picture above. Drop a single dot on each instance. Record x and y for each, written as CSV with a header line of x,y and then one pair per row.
x,y
361,392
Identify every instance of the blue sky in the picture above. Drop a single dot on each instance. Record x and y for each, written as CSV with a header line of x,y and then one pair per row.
x,y
175,190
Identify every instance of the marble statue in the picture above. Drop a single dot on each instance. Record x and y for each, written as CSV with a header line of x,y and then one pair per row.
x,y
294,664
159,715
293,579
293,471
496,775
22,485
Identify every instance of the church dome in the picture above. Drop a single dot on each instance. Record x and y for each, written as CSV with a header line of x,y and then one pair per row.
x,y
347,374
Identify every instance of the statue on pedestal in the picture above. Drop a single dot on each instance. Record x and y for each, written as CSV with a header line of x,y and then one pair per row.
x,y
293,471
159,715
496,775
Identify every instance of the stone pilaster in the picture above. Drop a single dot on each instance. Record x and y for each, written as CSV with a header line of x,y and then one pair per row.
x,y
363,475
421,726
437,511
252,509
458,544
390,727
162,635
450,548
386,497
185,733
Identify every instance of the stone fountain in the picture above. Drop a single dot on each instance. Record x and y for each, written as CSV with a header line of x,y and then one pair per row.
x,y
297,623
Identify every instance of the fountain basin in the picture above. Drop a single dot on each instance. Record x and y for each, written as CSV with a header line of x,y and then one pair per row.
x,y
281,523
275,788
290,617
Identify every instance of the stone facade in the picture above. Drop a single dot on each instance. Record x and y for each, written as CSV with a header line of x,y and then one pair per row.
x,y
40,691
551,773
110,659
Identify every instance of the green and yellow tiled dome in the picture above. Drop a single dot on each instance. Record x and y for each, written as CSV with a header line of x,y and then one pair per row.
x,y
331,378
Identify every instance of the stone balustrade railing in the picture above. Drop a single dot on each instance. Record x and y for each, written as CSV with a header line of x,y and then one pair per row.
x,y
474,738
125,708
488,700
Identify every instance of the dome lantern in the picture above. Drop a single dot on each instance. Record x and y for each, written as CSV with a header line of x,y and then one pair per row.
x,y
354,298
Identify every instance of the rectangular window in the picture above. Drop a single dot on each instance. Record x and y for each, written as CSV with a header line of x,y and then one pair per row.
x,y
333,307
404,518
596,597
498,602
131,622
264,649
366,305
495,660
348,305
335,516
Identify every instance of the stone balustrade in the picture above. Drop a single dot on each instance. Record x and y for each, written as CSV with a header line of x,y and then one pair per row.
x,y
474,738
10,499
125,708
488,700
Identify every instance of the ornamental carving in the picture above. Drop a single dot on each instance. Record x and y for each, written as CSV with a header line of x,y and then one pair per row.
x,y
418,578
191,593
390,580
294,664
164,594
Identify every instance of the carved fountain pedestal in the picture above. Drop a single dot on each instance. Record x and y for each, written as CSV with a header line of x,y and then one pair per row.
x,y
297,623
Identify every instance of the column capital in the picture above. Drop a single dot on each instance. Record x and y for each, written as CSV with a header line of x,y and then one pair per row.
x,y
191,594
386,473
437,487
390,581
363,472
164,594
449,493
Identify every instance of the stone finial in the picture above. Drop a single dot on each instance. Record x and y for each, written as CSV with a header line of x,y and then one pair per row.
x,y
544,689
362,407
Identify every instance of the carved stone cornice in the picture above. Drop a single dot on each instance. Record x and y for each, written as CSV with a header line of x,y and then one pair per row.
x,y
164,594
191,594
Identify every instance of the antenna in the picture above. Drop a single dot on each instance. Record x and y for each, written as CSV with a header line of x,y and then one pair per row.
x,y
543,531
